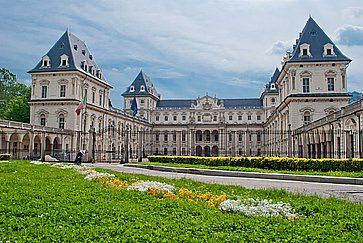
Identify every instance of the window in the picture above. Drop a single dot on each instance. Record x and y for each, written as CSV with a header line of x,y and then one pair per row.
x,y
157,118
174,151
214,118
142,102
157,137
156,150
230,118
132,88
258,137
64,60
306,85
293,82
240,117
62,91
61,121
273,100
184,137
199,118
328,51
307,117
175,118
330,84
249,117
101,98
42,120
93,96
165,137
240,137
184,117
44,91
142,88
46,62
75,47
305,52
165,151
273,86
258,117
166,118
174,137
230,137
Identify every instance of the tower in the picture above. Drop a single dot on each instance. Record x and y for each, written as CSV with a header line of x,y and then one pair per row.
x,y
145,94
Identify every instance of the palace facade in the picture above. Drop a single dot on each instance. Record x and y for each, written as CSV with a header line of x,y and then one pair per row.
x,y
303,110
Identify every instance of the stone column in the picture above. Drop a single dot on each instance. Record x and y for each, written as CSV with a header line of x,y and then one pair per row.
x,y
42,149
31,144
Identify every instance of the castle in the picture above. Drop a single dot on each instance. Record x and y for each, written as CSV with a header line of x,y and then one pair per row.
x,y
303,111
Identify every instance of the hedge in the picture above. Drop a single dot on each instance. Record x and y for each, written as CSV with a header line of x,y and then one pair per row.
x,y
5,156
273,163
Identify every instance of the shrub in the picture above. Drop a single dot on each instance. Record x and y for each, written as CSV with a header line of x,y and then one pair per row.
x,y
273,163
5,156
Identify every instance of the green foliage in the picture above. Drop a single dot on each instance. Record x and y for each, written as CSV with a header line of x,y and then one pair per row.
x,y
14,98
44,204
5,156
273,163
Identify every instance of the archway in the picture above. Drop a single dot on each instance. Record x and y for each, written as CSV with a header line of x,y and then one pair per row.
x,y
37,147
215,151
198,150
57,147
206,151
199,136
25,146
14,145
48,146
207,136
215,136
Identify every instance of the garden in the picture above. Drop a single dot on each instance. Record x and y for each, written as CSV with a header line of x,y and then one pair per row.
x,y
65,202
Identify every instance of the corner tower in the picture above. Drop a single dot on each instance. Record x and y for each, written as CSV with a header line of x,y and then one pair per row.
x,y
145,94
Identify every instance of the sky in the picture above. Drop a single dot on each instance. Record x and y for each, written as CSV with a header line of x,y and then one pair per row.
x,y
227,48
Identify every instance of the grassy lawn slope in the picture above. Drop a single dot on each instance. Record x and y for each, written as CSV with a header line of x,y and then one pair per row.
x,y
40,203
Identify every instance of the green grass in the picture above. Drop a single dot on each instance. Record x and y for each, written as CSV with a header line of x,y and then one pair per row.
x,y
43,204
244,169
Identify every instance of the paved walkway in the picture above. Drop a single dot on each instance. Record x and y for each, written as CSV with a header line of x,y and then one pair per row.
x,y
349,192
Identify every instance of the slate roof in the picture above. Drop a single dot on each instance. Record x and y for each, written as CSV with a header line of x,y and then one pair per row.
x,y
273,79
77,52
142,79
228,103
313,35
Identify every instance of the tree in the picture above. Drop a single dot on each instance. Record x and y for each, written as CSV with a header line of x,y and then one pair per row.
x,y
14,97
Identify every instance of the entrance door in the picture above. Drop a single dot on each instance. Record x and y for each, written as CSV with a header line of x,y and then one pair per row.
x,y
207,151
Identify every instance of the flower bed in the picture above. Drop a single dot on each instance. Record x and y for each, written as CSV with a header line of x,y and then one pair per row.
x,y
5,156
273,163
250,207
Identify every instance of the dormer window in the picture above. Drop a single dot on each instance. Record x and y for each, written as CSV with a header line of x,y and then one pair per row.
x,y
132,88
84,52
46,61
62,45
142,88
305,50
92,70
99,73
273,87
90,57
84,66
329,50
64,60
75,47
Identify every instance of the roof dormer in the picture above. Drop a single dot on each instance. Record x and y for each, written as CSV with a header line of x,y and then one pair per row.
x,y
132,88
84,65
64,61
329,50
45,62
305,50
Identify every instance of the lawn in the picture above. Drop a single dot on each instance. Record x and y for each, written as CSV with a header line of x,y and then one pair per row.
x,y
357,174
41,203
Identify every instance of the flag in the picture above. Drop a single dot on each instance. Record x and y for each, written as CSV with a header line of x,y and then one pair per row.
x,y
134,107
81,105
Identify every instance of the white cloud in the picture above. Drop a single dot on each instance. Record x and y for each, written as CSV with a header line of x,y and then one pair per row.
x,y
353,12
280,48
350,35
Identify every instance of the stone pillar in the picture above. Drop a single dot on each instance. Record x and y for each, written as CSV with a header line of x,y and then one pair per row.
x,y
31,144
42,149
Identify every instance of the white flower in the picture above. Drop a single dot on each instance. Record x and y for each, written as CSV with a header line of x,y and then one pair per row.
x,y
144,186
36,162
256,207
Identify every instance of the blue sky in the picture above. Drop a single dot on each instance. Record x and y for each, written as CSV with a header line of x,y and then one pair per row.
x,y
227,48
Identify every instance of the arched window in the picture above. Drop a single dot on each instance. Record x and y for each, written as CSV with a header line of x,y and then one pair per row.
x,y
61,121
307,117
43,120
142,88
64,61
132,88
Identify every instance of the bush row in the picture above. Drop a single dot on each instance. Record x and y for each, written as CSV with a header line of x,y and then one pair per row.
x,y
273,163
5,156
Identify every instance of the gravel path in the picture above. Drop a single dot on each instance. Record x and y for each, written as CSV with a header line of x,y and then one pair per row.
x,y
349,192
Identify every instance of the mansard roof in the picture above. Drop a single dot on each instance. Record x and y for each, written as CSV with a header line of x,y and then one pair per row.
x,y
141,80
77,52
228,103
313,35
273,80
